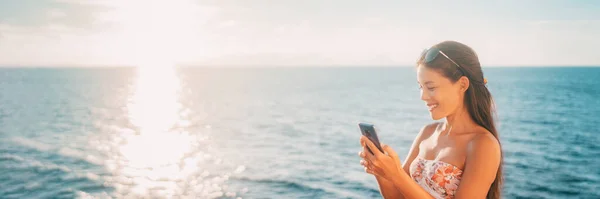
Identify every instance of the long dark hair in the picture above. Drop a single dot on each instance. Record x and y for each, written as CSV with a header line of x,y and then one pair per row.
x,y
478,98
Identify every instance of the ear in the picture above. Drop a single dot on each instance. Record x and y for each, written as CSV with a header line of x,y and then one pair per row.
x,y
463,83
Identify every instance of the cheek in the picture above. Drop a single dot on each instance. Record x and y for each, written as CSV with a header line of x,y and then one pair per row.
x,y
446,99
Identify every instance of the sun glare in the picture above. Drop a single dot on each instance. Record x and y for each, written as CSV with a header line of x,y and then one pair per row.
x,y
157,30
153,157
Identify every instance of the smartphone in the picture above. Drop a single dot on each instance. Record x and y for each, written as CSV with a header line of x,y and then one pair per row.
x,y
370,132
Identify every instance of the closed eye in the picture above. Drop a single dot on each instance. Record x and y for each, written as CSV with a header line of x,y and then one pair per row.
x,y
428,88
428,84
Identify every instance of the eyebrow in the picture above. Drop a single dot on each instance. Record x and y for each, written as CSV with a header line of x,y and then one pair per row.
x,y
427,82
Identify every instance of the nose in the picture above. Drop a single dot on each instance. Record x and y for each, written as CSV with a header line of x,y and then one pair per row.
x,y
424,95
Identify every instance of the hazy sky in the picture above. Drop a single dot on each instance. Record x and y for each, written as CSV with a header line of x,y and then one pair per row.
x,y
294,32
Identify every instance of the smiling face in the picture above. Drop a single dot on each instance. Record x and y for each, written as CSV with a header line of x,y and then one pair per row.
x,y
440,94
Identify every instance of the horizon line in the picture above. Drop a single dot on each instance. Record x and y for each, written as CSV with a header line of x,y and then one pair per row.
x,y
287,66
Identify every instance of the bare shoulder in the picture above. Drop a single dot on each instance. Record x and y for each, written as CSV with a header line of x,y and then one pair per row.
x,y
481,168
427,130
484,144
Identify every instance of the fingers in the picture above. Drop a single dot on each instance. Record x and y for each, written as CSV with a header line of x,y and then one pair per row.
x,y
367,167
369,170
369,161
363,140
368,155
364,163
387,149
362,153
373,147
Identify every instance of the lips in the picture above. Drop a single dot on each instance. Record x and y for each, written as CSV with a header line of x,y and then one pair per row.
x,y
432,106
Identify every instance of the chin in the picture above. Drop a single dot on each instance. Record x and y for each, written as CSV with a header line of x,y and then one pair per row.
x,y
435,116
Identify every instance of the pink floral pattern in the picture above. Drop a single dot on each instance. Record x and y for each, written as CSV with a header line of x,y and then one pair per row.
x,y
439,178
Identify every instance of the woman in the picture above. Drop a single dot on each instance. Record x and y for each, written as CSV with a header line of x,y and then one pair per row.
x,y
458,158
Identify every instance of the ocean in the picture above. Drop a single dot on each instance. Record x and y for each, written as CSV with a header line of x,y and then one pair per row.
x,y
271,132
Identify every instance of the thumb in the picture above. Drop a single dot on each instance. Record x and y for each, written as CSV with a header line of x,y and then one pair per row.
x,y
391,152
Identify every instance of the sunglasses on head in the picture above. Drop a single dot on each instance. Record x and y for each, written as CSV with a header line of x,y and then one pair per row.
x,y
432,53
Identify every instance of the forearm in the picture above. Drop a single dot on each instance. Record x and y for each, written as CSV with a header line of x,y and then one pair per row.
x,y
388,189
408,188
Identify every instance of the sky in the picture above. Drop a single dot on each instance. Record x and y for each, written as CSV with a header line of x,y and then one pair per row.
x,y
294,32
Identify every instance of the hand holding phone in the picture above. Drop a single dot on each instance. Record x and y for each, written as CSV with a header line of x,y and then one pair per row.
x,y
368,130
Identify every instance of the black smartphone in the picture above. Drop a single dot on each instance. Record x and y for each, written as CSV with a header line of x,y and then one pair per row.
x,y
369,131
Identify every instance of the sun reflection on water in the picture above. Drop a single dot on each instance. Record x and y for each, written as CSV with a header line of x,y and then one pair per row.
x,y
158,158
155,107
154,154
159,154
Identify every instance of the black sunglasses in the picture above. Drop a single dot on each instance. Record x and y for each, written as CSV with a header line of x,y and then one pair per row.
x,y
432,53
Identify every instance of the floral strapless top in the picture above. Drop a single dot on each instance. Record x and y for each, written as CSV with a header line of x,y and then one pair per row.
x,y
439,178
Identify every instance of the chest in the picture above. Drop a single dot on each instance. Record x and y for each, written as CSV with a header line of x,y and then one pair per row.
x,y
445,149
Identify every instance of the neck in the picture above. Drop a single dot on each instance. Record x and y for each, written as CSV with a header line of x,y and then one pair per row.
x,y
459,121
